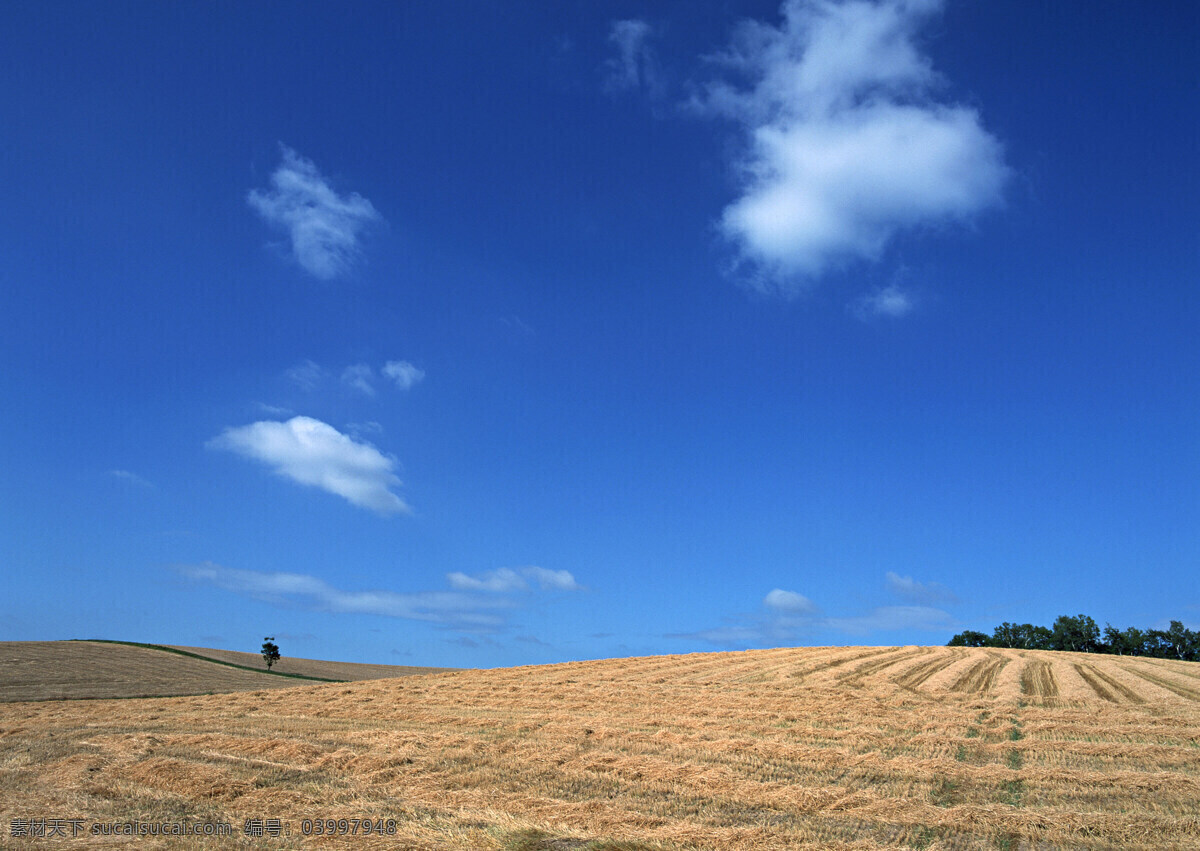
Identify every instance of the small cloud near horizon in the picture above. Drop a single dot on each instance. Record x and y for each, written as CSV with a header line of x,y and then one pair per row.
x,y
919,592
889,618
532,639
788,616
476,608
789,601
450,608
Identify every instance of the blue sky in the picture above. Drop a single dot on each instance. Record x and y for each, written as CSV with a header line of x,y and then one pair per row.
x,y
490,334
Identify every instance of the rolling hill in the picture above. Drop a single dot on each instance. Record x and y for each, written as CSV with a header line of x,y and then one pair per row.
x,y
838,747
54,670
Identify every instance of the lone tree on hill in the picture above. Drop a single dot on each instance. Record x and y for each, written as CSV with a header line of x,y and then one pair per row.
x,y
270,651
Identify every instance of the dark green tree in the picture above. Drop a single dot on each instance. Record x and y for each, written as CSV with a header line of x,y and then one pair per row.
x,y
1039,637
1024,636
1078,633
1006,635
1181,642
270,651
969,638
1125,642
1156,643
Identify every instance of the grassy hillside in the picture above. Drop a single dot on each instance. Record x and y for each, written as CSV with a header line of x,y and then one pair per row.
x,y
313,667
867,747
48,670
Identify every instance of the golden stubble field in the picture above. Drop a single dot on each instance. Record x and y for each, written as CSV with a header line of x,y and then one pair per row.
x,y
846,747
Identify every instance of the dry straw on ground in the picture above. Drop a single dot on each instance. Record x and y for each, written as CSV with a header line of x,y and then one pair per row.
x,y
857,747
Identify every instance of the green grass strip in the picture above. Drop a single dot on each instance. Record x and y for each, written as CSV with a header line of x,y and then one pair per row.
x,y
208,659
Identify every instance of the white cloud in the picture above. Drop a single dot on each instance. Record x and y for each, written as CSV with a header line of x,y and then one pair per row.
x,y
446,607
403,373
324,226
306,375
846,144
887,301
314,453
504,579
634,66
556,580
507,579
919,592
132,478
359,376
788,601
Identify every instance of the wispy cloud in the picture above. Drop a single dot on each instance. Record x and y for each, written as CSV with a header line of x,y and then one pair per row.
x,y
273,410
888,301
909,589
314,453
634,66
444,607
516,327
726,636
359,376
846,143
467,607
324,226
552,580
132,478
532,639
507,579
369,427
787,616
887,618
306,375
503,579
403,373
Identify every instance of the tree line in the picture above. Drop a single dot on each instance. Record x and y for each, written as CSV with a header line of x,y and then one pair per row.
x,y
1080,634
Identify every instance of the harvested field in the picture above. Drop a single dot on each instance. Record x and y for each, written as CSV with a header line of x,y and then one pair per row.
x,y
980,677
937,748
1106,686
918,674
55,670
1037,679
